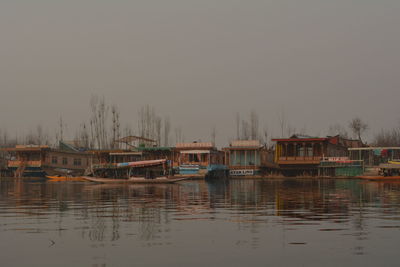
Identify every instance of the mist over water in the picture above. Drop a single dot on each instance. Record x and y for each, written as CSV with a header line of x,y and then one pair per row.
x,y
283,222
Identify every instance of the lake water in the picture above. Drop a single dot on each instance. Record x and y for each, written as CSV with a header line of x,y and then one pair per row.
x,y
283,222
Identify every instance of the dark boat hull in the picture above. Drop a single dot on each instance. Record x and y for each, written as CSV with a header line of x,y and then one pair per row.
x,y
380,178
162,180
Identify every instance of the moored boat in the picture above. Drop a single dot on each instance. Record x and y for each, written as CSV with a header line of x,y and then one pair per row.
x,y
388,172
380,178
136,180
57,178
137,172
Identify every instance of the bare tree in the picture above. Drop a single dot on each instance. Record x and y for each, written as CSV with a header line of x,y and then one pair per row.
x,y
39,134
254,125
157,129
213,134
266,136
115,126
237,120
282,122
100,111
4,141
245,135
358,127
147,121
337,129
290,130
389,137
167,130
179,135
61,129
82,136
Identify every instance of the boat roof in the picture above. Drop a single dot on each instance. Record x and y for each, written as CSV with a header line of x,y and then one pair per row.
x,y
133,164
26,148
195,145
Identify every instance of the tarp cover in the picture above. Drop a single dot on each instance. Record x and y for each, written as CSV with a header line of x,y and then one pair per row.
x,y
195,152
145,163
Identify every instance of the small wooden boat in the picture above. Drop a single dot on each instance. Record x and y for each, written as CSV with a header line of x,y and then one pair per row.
x,y
58,178
380,178
133,180
388,172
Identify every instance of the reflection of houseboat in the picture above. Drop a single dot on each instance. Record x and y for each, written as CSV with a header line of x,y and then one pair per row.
x,y
199,160
248,158
149,171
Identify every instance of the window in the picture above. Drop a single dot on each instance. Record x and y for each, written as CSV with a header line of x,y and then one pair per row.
x,y
77,162
193,158
65,161
54,160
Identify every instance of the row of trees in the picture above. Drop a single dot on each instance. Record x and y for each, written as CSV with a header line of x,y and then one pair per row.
x,y
249,128
357,128
389,137
103,127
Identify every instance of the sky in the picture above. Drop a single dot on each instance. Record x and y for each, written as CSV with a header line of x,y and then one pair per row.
x,y
319,62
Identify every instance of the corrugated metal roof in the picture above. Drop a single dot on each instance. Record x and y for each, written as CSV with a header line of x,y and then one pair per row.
x,y
195,145
246,143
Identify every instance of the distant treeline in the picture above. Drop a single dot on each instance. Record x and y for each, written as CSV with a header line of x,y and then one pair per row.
x,y
103,127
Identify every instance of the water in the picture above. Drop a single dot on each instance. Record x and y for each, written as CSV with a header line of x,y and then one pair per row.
x,y
195,223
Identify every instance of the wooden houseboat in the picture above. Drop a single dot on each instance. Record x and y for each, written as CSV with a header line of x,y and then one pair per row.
x,y
27,160
301,155
199,160
149,171
41,161
248,158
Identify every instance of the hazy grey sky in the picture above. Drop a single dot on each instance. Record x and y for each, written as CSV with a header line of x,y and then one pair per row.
x,y
199,62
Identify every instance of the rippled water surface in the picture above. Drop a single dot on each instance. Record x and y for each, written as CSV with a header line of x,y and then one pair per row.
x,y
194,223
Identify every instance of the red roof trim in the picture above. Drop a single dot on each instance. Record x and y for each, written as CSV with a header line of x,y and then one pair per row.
x,y
299,139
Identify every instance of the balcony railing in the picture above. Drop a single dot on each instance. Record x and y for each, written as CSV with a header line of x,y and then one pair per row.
x,y
18,163
299,160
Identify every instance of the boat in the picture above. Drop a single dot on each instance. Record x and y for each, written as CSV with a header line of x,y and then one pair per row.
x,y
59,178
137,172
135,180
380,178
388,172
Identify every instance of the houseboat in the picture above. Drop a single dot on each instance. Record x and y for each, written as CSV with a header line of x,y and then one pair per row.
x,y
42,161
27,160
149,171
301,155
199,160
248,159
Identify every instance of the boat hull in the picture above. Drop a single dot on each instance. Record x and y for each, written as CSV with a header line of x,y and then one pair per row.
x,y
380,178
65,178
161,180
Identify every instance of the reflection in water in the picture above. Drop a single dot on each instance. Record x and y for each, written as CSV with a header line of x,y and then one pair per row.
x,y
216,221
